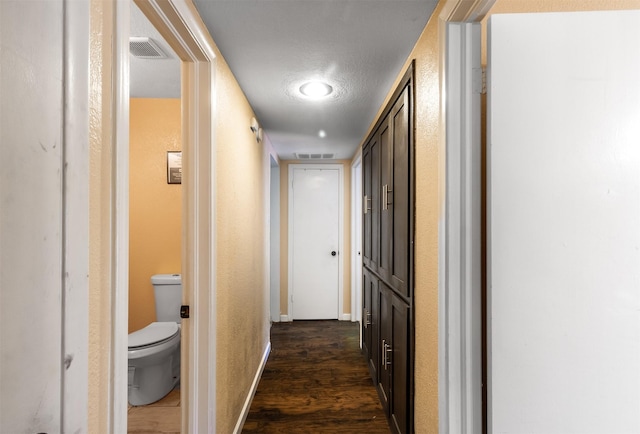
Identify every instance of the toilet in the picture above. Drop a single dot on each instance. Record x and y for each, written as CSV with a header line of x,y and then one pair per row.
x,y
154,351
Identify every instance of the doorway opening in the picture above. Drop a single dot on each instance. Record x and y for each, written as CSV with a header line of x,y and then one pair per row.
x,y
180,26
155,220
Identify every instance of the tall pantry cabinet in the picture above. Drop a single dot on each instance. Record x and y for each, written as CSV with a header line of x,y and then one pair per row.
x,y
388,207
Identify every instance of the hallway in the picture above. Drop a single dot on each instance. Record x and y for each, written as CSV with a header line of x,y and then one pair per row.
x,y
316,381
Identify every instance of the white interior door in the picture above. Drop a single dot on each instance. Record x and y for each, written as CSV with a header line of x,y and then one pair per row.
x,y
315,245
564,223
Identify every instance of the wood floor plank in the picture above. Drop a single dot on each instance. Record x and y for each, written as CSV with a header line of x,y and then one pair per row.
x,y
316,381
161,417
165,420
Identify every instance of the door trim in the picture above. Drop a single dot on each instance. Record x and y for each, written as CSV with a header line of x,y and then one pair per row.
x,y
460,347
75,193
341,250
274,238
461,233
181,26
119,214
356,228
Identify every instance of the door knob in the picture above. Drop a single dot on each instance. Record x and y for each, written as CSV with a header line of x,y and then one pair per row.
x,y
333,253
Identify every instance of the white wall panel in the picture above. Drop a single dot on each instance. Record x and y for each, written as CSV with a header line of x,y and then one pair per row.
x,y
31,137
564,203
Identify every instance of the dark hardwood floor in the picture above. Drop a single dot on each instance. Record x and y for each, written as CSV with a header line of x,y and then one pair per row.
x,y
316,381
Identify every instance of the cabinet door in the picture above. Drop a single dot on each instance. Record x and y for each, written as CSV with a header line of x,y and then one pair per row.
x,y
386,155
399,359
366,205
375,202
372,331
393,375
397,195
385,346
366,313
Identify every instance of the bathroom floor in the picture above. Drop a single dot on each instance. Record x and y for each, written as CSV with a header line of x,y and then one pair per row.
x,y
162,417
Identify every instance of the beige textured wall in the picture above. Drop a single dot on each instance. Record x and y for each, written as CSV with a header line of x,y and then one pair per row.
x,y
242,185
427,56
427,209
155,207
284,235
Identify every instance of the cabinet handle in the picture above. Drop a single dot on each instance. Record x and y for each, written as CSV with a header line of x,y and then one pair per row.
x,y
389,202
385,196
367,201
387,357
386,351
384,354
367,315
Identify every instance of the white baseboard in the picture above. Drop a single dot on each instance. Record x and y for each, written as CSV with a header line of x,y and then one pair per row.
x,y
252,391
344,317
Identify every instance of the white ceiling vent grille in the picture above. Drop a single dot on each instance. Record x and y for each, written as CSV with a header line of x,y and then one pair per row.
x,y
314,156
145,48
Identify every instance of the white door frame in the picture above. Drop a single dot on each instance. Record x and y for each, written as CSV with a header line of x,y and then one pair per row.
x,y
76,217
179,23
459,231
356,229
119,213
340,234
274,242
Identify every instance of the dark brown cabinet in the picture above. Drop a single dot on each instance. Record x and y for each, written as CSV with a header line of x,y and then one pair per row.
x,y
371,209
394,375
387,321
394,195
371,321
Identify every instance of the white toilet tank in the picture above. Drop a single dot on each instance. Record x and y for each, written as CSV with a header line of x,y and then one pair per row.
x,y
168,295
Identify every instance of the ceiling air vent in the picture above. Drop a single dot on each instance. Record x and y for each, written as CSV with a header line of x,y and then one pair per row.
x,y
314,156
145,48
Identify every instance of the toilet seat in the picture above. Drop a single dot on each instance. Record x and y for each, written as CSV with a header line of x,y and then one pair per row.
x,y
154,334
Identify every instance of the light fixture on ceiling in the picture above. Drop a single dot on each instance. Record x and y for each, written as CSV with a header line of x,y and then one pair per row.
x,y
322,134
316,89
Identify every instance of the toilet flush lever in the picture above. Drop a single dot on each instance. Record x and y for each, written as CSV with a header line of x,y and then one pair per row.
x,y
184,311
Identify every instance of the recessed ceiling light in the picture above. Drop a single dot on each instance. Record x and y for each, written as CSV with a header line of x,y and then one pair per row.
x,y
316,89
322,134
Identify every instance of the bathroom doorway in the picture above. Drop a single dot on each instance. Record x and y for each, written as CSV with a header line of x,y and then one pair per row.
x,y
155,197
184,32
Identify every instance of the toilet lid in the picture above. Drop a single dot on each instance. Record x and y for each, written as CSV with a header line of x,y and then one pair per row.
x,y
153,333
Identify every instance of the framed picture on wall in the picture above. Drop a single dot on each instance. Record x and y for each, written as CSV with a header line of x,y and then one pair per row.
x,y
174,167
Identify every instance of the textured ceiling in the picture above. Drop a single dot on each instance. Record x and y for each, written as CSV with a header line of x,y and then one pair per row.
x,y
274,46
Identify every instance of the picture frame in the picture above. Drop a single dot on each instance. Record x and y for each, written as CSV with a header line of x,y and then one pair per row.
x,y
174,167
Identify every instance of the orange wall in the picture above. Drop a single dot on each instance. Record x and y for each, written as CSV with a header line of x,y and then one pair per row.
x,y
155,207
